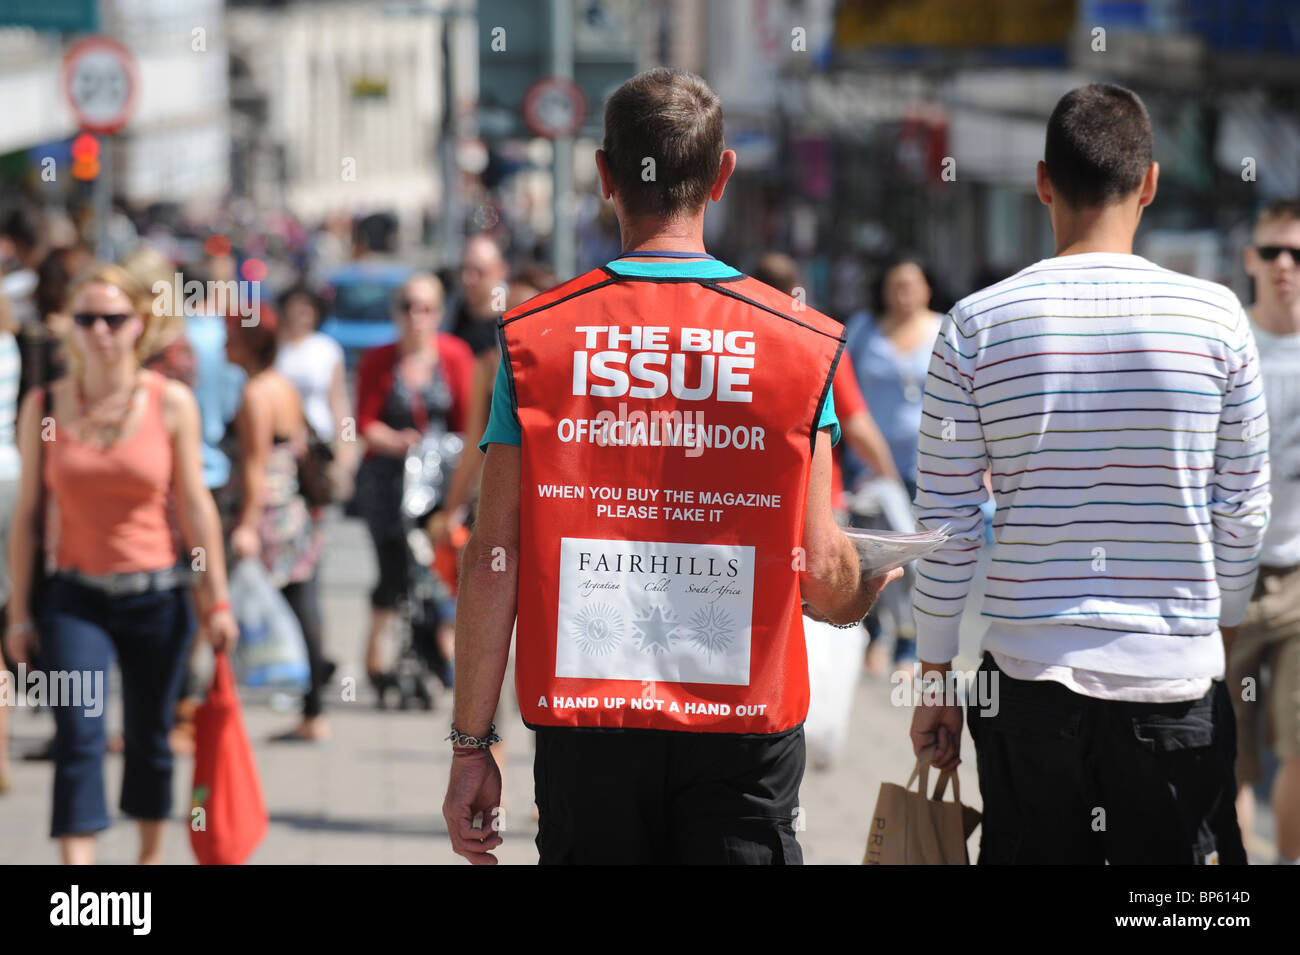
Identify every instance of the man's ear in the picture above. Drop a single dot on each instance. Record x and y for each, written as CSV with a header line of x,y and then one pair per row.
x,y
725,169
606,176
1251,260
1149,185
1043,185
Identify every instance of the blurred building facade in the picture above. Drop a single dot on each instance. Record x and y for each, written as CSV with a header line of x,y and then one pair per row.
x,y
339,105
868,126
176,147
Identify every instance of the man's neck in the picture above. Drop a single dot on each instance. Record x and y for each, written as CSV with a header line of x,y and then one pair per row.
x,y
1109,229
656,235
1276,318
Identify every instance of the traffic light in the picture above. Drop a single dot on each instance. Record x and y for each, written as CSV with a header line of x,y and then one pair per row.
x,y
85,157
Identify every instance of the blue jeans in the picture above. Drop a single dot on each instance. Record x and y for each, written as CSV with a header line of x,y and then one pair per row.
x,y
149,635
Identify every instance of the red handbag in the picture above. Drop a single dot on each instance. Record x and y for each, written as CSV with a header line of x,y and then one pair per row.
x,y
228,815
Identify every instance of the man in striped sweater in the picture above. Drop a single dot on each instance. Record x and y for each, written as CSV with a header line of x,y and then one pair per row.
x,y
1118,409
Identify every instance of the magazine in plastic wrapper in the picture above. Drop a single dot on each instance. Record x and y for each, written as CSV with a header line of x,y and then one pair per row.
x,y
882,551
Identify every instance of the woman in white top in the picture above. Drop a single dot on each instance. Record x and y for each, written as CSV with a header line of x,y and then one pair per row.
x,y
314,363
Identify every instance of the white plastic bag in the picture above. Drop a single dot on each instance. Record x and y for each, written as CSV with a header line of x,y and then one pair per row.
x,y
834,665
271,649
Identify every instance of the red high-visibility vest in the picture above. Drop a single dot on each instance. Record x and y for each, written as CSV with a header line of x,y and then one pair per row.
x,y
667,430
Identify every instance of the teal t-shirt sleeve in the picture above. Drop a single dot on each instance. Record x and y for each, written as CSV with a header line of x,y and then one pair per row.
x,y
829,418
503,425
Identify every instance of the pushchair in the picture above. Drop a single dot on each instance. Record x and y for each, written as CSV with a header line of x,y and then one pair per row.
x,y
429,601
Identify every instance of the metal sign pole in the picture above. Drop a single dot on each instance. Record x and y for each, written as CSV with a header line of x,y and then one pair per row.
x,y
563,252
103,201
450,240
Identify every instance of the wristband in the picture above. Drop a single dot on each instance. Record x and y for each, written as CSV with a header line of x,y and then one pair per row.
x,y
217,607
25,627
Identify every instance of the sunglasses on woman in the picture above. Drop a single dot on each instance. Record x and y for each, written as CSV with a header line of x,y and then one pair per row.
x,y
88,319
406,305
1270,252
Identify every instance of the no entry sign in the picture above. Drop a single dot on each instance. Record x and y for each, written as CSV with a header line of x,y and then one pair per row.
x,y
554,107
101,83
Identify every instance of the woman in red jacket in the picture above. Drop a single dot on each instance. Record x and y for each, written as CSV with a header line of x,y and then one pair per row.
x,y
416,385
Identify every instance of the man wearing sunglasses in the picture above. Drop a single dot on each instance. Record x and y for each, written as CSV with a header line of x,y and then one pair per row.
x,y
1269,639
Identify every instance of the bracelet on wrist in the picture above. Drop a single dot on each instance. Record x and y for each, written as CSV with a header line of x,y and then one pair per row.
x,y
217,607
26,626
465,741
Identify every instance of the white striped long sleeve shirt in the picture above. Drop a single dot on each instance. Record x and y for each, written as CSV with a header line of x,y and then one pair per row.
x,y
1118,407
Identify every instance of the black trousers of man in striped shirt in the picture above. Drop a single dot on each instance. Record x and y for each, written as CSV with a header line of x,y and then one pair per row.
x,y
1069,779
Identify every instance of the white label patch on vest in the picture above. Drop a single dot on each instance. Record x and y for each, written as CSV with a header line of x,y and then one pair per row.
x,y
652,610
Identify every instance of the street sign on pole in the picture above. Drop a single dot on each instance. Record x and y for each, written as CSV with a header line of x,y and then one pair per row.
x,y
555,107
101,83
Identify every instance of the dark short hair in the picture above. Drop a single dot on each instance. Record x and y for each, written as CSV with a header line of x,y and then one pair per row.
x,y
537,274
1279,210
672,117
302,290
53,278
1098,144
777,270
939,300
23,226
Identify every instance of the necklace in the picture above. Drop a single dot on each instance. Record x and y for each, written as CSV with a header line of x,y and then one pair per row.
x,y
101,423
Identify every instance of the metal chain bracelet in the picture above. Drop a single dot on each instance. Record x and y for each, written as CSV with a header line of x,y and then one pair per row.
x,y
848,626
465,741
837,626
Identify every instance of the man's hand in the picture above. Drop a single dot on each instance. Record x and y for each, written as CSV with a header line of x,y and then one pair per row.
x,y
474,787
870,593
937,725
874,585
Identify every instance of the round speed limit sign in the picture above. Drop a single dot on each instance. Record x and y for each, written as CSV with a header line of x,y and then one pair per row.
x,y
101,82
554,107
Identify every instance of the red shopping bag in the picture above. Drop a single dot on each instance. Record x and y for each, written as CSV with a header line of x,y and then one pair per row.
x,y
228,814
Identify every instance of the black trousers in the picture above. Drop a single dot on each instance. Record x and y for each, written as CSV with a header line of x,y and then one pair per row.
x,y
642,797
303,598
1070,779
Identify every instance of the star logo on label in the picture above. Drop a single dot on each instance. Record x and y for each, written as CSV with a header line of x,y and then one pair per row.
x,y
655,631
712,630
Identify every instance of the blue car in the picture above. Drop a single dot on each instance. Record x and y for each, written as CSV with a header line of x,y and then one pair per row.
x,y
358,313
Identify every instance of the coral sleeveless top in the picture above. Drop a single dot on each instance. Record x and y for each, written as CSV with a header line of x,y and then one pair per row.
x,y
112,502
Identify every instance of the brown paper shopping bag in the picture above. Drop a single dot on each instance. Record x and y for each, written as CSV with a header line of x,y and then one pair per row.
x,y
910,829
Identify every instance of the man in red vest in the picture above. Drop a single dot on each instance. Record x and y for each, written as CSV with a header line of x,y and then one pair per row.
x,y
655,509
